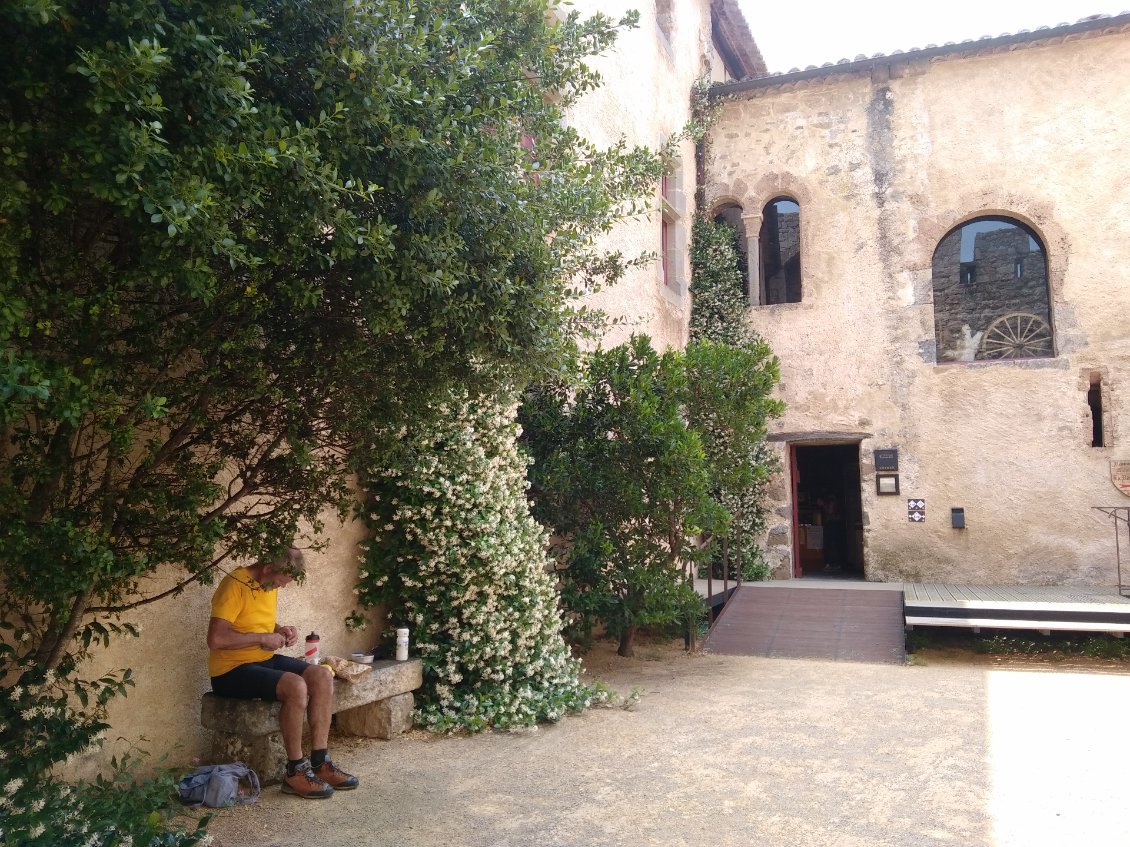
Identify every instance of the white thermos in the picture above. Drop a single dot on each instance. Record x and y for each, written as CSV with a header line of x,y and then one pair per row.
x,y
402,645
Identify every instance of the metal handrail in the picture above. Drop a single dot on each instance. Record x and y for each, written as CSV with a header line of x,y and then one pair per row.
x,y
1118,513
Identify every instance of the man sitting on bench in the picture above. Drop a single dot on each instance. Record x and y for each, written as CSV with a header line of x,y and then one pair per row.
x,y
243,636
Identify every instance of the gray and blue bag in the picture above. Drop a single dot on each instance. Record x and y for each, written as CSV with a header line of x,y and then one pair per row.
x,y
217,786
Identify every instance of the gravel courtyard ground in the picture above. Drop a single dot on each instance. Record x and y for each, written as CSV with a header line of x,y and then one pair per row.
x,y
725,750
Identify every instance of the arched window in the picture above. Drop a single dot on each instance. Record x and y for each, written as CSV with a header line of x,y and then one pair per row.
x,y
779,244
991,293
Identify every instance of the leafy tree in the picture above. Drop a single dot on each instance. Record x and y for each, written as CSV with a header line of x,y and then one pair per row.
x,y
728,405
731,373
457,557
233,236
622,482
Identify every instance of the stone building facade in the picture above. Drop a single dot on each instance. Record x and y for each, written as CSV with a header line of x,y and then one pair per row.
x,y
962,339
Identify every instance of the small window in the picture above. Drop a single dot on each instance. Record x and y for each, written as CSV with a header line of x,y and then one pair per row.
x,y
666,240
779,244
1095,403
991,293
672,240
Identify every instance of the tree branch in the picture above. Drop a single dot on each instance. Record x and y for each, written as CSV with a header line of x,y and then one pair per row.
x,y
144,601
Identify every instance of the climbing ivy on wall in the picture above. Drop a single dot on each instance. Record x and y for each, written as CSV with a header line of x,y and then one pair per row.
x,y
719,310
731,373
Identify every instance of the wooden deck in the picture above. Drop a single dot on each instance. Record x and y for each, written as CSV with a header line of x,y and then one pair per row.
x,y
1044,608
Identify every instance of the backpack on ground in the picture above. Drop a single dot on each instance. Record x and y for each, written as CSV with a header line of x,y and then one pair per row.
x,y
217,786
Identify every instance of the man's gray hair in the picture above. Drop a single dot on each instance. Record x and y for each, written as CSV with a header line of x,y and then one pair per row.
x,y
292,563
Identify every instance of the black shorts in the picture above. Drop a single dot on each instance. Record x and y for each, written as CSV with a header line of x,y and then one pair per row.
x,y
257,680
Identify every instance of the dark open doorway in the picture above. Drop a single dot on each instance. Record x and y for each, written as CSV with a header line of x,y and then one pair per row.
x,y
827,512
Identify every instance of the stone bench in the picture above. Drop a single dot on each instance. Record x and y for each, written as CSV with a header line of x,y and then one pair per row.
x,y
378,705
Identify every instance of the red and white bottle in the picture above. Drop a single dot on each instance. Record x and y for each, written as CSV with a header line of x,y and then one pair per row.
x,y
312,648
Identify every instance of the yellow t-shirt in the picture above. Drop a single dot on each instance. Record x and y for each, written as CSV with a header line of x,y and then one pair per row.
x,y
250,608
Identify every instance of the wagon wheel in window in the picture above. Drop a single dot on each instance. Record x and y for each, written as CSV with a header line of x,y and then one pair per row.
x,y
1019,335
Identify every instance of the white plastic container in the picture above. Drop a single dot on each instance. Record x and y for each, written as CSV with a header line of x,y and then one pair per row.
x,y
312,642
402,645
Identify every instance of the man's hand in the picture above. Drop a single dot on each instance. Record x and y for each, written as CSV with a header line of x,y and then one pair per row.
x,y
223,636
289,634
272,641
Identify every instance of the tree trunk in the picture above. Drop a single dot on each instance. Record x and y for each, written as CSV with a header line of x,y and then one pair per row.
x,y
625,649
54,645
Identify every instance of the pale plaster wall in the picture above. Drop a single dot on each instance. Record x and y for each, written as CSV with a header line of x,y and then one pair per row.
x,y
883,169
646,98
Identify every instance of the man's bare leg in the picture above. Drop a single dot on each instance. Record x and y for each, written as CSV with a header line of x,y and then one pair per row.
x,y
320,685
294,695
292,692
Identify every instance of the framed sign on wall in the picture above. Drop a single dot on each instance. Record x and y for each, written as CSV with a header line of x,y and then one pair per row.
x,y
886,483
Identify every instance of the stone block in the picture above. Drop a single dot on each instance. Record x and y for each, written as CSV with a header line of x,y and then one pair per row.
x,y
239,717
777,488
781,566
387,679
385,719
778,536
264,754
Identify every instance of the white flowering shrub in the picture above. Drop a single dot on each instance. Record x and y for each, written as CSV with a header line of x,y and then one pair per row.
x,y
458,559
46,718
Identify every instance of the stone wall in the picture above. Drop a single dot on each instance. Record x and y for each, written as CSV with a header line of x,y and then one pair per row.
x,y
161,714
884,164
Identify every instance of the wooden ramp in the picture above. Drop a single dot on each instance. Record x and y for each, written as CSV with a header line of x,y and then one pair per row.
x,y
852,624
